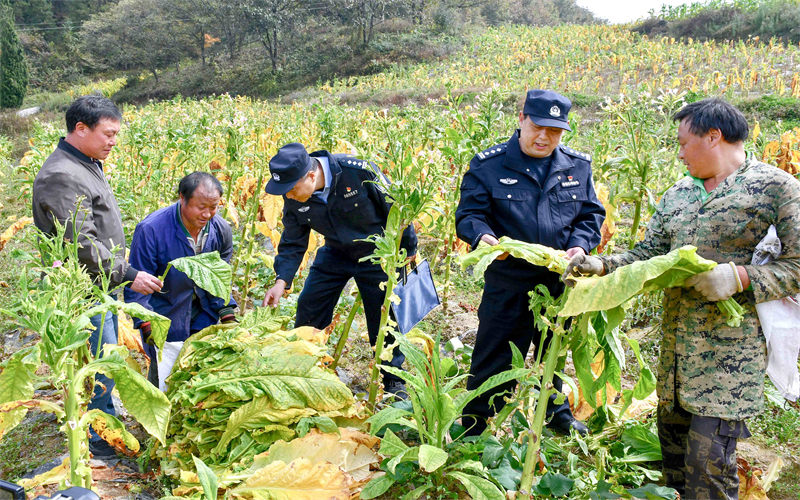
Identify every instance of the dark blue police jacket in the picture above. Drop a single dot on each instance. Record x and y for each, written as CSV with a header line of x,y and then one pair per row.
x,y
499,197
356,209
159,239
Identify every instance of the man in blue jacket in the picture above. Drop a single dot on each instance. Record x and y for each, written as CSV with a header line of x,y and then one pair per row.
x,y
530,188
341,198
189,227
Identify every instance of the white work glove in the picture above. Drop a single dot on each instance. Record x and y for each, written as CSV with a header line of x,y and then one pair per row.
x,y
582,265
717,284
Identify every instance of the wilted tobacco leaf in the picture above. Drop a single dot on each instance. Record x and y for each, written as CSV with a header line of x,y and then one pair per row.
x,y
298,480
14,229
351,452
538,255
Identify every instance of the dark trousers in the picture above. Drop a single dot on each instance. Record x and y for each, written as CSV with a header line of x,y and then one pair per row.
x,y
323,287
699,454
504,316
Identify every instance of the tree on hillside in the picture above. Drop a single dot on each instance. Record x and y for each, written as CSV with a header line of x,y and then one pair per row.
x,y
135,34
273,20
13,70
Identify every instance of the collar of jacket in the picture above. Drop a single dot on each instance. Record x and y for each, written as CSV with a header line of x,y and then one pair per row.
x,y
180,232
333,164
513,160
69,148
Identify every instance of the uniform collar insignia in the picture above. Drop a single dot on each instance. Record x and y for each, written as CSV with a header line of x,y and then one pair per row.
x,y
303,209
509,181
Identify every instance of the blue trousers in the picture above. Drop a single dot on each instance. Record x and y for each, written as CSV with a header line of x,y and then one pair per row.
x,y
101,398
323,287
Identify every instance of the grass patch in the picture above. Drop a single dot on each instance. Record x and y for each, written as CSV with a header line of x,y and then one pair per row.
x,y
34,442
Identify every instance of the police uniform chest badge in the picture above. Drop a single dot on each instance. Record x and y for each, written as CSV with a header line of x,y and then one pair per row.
x,y
276,177
570,182
350,192
509,181
555,111
303,209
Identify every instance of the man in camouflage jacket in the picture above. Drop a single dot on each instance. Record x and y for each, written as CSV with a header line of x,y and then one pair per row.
x,y
711,375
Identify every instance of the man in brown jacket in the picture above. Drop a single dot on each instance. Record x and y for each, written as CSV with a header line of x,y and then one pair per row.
x,y
74,172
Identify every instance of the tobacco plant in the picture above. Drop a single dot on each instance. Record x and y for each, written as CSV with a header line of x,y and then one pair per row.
x,y
57,299
437,401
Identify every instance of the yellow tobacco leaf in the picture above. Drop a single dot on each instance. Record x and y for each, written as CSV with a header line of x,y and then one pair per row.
x,y
233,215
270,209
298,480
756,131
351,452
14,229
127,335
309,334
53,476
117,437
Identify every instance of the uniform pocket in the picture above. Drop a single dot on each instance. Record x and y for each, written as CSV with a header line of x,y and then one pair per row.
x,y
513,203
569,204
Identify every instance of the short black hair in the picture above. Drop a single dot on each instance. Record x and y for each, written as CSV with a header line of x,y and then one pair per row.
x,y
191,182
715,113
89,110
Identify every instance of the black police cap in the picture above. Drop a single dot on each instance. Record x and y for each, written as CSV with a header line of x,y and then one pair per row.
x,y
288,166
547,109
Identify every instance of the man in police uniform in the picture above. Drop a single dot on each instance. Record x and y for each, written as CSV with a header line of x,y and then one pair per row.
x,y
532,189
342,198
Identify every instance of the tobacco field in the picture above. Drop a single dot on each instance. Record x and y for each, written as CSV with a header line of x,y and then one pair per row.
x,y
261,410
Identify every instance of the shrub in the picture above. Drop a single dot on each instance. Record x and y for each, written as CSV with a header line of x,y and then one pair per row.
x,y
13,71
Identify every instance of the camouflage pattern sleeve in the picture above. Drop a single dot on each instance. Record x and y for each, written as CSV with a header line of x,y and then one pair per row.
x,y
656,241
781,278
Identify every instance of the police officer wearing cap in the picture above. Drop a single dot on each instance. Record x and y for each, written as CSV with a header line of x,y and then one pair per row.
x,y
340,197
530,188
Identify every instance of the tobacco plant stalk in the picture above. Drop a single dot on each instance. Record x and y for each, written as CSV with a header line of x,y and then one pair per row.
x,y
538,417
391,266
346,331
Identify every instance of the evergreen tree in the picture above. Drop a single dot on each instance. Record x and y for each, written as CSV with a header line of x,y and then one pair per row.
x,y
13,70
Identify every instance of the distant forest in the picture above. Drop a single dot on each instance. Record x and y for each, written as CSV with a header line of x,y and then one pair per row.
x,y
256,47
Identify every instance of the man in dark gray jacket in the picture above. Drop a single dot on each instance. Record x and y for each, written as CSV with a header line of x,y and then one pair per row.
x,y
74,172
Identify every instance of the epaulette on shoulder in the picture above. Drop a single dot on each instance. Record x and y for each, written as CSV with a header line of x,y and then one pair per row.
x,y
349,161
492,151
577,154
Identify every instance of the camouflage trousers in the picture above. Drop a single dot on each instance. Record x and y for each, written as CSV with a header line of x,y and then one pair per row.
x,y
699,454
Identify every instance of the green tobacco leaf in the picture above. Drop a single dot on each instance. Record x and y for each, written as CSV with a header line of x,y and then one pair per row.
x,y
501,378
376,487
159,325
653,492
644,442
208,480
18,377
603,492
149,406
506,475
209,272
538,255
478,487
431,457
263,319
17,383
391,445
289,381
324,424
556,485
646,383
389,415
492,451
603,293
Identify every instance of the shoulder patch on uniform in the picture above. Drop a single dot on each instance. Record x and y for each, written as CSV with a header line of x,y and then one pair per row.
x,y
492,151
577,154
351,162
